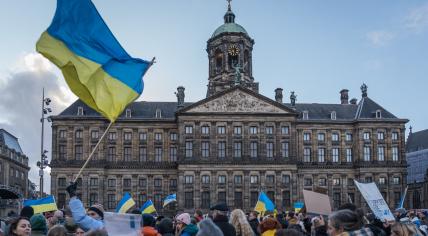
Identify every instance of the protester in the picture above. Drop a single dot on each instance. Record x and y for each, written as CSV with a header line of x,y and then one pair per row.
x,y
291,218
404,228
27,212
254,222
240,223
57,230
208,228
79,232
97,232
269,226
94,219
221,220
185,226
20,226
166,227
148,223
38,225
288,232
346,222
319,228
198,215
59,215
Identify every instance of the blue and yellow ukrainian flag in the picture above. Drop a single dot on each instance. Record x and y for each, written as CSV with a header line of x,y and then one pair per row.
x,y
169,199
125,203
298,206
148,208
264,203
95,66
42,205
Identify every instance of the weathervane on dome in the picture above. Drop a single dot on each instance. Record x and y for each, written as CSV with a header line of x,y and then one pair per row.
x,y
229,7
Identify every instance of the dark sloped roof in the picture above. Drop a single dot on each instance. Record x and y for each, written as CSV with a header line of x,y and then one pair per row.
x,y
367,110
10,141
318,111
417,141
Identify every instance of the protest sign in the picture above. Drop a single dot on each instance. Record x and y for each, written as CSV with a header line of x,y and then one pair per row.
x,y
375,200
317,203
122,224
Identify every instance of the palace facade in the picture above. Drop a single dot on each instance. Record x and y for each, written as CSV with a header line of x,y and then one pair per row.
x,y
232,144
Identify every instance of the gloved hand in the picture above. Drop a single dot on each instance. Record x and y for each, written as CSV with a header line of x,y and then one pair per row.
x,y
71,189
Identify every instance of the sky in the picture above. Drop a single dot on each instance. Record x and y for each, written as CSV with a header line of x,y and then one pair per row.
x,y
315,48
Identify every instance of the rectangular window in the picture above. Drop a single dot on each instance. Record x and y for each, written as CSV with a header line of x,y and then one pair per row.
x,y
269,150
158,136
336,200
336,181
307,155
62,152
237,149
286,179
254,179
173,183
348,137
321,154
205,129
127,136
349,155
205,200
285,130
62,134
382,181
254,196
237,130
322,182
367,153
188,179
111,154
380,135
285,149
238,179
306,137
221,149
78,154
127,154
396,180
111,183
221,130
253,149
321,137
221,197
157,201
126,183
142,182
205,146
111,201
270,179
188,129
253,130
158,154
94,134
158,183
238,200
142,198
335,155
142,136
173,136
143,154
112,136
286,199
61,200
61,182
381,153
350,182
335,137
95,155
366,136
79,134
173,154
394,153
271,195
269,130
222,179
189,149
307,182
394,136
397,198
188,200
369,179
93,182
205,179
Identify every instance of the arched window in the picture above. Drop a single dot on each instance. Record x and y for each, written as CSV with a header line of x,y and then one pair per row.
x,y
158,113
218,60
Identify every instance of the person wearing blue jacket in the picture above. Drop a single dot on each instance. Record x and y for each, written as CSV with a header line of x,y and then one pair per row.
x,y
91,220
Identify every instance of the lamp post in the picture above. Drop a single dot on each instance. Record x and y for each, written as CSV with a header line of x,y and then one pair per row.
x,y
43,163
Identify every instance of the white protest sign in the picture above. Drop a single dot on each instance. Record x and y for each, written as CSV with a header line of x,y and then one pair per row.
x,y
375,200
122,224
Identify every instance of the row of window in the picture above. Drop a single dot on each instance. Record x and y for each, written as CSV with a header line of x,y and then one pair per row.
x,y
15,173
127,182
335,154
237,179
237,130
307,182
321,137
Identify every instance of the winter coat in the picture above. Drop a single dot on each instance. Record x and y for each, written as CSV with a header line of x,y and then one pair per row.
x,y
79,216
321,231
223,223
189,230
166,227
149,231
254,223
270,232
208,228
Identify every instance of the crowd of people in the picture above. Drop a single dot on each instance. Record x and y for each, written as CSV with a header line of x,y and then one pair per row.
x,y
221,221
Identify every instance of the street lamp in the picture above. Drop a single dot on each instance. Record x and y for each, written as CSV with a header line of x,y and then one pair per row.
x,y
43,163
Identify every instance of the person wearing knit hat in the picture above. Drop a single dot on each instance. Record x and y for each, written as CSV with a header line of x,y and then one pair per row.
x,y
185,226
38,225
92,220
147,226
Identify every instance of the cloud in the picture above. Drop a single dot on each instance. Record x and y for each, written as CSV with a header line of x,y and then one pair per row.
x,y
20,105
380,38
417,19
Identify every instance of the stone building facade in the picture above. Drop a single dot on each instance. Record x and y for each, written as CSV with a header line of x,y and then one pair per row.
x,y
231,145
13,173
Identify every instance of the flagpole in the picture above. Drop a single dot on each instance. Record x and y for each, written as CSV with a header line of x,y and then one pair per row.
x,y
93,151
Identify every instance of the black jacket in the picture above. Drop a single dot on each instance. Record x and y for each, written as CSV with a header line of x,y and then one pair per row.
x,y
223,223
254,223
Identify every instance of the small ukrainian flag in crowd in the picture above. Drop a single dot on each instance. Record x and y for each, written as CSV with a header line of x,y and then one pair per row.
x,y
169,199
42,205
148,208
95,66
125,203
264,203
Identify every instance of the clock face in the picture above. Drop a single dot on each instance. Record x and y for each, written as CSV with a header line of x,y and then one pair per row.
x,y
233,50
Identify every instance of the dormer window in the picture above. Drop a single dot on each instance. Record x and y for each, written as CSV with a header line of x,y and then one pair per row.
x,y
128,113
305,115
378,114
158,113
80,111
333,115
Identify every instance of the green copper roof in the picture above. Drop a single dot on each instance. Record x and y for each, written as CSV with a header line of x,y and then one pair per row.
x,y
229,28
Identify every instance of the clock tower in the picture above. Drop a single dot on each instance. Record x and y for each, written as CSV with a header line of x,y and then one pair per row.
x,y
230,57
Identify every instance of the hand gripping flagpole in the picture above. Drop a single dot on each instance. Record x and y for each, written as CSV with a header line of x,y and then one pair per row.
x,y
105,132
